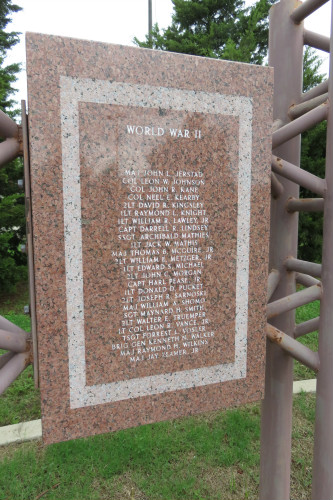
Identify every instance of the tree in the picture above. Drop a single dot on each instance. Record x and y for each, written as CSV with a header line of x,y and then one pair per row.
x,y
12,217
313,154
222,29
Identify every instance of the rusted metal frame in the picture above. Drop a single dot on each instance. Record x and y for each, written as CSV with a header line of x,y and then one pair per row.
x,y
4,358
297,110
305,205
276,186
272,282
293,348
303,266
299,176
306,327
299,125
12,369
320,89
305,9
29,236
286,56
16,342
293,301
316,40
306,280
322,485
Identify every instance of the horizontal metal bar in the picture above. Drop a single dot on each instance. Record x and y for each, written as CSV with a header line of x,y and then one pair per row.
x,y
299,176
307,327
305,204
17,342
12,369
276,186
320,89
294,300
305,9
316,40
296,127
306,280
5,358
8,128
303,266
297,110
9,150
5,324
294,348
272,282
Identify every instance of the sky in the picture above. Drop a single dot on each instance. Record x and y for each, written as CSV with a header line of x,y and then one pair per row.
x,y
111,21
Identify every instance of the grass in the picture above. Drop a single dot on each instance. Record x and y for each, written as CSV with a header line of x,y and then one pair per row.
x,y
211,456
305,313
21,401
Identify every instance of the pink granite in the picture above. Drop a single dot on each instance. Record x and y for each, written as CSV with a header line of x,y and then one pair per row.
x,y
150,177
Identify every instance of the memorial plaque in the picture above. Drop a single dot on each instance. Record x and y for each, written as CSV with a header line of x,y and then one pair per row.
x,y
150,176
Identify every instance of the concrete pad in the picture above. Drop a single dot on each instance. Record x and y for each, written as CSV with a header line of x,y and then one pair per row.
x,y
305,386
18,433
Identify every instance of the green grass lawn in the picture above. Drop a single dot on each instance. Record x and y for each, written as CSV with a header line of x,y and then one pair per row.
x,y
211,456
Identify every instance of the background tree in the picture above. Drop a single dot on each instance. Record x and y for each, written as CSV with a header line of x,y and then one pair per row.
x,y
313,156
12,218
222,29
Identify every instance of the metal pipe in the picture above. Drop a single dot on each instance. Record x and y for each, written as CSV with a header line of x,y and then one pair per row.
x,y
316,40
17,342
293,348
150,19
303,266
293,301
306,280
12,369
28,214
8,128
7,325
284,39
272,283
299,125
299,176
307,327
276,186
9,150
305,205
305,9
322,485
320,89
297,110
5,358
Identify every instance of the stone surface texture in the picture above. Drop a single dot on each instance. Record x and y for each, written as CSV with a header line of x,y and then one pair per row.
x,y
150,176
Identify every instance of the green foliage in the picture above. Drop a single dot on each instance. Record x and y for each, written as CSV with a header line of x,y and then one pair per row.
x,y
12,214
221,29
313,156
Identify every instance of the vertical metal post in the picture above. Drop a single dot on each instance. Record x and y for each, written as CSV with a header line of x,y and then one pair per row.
x,y
150,19
322,485
28,214
286,56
